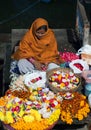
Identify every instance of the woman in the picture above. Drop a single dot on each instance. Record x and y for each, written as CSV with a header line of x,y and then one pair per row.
x,y
38,49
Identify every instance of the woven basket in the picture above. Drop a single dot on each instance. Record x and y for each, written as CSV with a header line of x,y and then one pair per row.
x,y
8,127
66,70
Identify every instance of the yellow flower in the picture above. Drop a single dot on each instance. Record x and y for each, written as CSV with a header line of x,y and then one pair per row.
x,y
59,77
21,113
1,116
82,103
9,105
36,114
69,121
28,118
35,93
62,85
80,117
54,117
8,117
32,98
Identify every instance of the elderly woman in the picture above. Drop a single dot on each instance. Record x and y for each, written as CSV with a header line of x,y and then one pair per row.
x,y
37,49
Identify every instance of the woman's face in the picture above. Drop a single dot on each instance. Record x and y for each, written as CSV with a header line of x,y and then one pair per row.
x,y
40,33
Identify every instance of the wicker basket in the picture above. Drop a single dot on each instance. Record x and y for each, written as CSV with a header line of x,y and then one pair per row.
x,y
66,70
8,127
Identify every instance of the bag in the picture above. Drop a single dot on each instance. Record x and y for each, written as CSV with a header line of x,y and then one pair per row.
x,y
85,52
78,66
85,49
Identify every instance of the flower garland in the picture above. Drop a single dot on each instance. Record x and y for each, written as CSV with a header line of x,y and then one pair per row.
x,y
75,108
37,125
42,107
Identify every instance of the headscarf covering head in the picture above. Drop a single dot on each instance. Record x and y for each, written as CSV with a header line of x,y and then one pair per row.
x,y
38,23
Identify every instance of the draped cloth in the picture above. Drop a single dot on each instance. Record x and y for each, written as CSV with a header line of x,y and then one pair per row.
x,y
43,50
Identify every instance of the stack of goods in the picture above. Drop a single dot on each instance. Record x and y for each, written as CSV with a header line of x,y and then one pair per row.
x,y
30,105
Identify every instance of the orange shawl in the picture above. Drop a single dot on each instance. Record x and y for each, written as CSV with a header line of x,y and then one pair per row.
x,y
43,50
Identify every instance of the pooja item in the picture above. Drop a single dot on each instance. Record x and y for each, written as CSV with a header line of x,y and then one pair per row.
x,y
36,79
78,66
63,79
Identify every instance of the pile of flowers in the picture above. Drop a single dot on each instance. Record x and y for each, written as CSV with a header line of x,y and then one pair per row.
x,y
63,80
19,113
38,111
39,108
75,108
68,56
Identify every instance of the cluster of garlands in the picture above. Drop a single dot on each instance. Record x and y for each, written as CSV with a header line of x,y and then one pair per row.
x,y
41,109
74,108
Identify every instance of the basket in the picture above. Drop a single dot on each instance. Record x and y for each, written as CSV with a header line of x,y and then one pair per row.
x,y
66,70
8,127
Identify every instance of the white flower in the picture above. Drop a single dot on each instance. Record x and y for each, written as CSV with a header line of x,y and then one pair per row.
x,y
17,99
47,114
42,110
55,102
28,102
45,90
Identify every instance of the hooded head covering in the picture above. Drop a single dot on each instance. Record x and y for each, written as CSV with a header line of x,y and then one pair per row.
x,y
44,49
38,23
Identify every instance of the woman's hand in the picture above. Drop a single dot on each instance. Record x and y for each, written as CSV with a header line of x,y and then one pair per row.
x,y
37,65
44,67
40,66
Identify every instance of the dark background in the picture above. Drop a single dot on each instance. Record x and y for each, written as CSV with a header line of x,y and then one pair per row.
x,y
21,13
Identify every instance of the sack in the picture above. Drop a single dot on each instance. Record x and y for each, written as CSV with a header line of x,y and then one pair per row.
x,y
78,66
85,53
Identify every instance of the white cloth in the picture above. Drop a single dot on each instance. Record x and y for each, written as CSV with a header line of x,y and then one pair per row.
x,y
52,66
25,66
